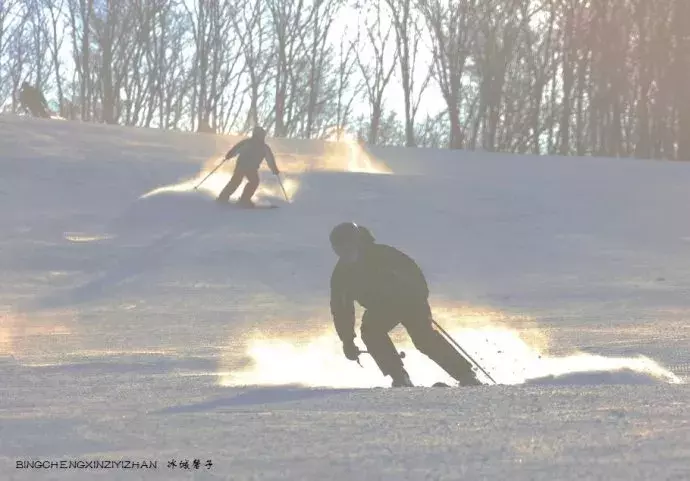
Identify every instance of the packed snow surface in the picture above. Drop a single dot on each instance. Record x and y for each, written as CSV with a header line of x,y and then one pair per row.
x,y
144,323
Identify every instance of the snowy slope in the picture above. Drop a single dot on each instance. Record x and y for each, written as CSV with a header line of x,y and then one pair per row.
x,y
142,321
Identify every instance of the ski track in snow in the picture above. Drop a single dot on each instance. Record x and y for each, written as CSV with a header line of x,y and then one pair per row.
x,y
141,321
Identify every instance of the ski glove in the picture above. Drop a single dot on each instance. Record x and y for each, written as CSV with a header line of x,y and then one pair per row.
x,y
351,351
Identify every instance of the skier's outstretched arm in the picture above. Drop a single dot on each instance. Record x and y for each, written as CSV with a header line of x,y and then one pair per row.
x,y
343,312
236,149
271,160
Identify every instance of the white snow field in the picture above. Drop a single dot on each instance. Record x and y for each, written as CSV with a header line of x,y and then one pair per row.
x,y
143,323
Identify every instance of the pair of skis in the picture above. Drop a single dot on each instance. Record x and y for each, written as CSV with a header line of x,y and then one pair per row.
x,y
222,162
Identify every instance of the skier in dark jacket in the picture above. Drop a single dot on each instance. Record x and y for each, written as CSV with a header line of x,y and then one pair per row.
x,y
393,290
32,100
251,153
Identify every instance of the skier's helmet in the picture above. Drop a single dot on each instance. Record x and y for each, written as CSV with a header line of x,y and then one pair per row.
x,y
259,133
346,239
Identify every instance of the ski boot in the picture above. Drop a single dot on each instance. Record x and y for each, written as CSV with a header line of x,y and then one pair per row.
x,y
470,379
402,380
246,203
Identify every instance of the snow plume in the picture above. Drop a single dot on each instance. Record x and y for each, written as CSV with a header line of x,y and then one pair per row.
x,y
345,155
214,184
268,188
349,156
521,356
314,362
508,355
341,156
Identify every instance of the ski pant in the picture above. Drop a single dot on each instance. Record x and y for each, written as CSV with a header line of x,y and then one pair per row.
x,y
36,109
252,177
429,341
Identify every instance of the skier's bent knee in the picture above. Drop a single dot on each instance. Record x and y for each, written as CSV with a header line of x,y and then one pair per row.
x,y
428,342
371,334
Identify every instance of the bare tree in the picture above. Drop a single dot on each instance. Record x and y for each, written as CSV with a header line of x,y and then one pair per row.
x,y
433,132
5,33
376,69
112,25
319,50
407,36
163,34
586,77
216,58
56,34
537,52
80,13
12,27
38,67
200,19
453,35
679,13
19,50
492,53
346,87
253,37
289,21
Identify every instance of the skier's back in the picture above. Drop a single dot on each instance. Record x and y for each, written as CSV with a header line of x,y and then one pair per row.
x,y
393,290
251,153
31,99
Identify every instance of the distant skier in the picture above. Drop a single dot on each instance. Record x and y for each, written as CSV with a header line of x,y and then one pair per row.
x,y
393,290
251,153
32,100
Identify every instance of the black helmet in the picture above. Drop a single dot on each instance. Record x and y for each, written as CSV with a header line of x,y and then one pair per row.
x,y
259,133
348,234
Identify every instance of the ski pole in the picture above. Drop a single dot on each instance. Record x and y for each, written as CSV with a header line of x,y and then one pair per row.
x,y
462,351
210,173
401,354
281,186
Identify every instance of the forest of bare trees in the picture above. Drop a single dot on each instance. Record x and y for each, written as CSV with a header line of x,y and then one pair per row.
x,y
569,77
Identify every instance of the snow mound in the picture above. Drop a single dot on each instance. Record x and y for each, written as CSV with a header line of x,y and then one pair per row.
x,y
623,376
589,369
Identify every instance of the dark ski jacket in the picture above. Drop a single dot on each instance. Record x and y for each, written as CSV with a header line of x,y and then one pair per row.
x,y
32,99
383,279
252,152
